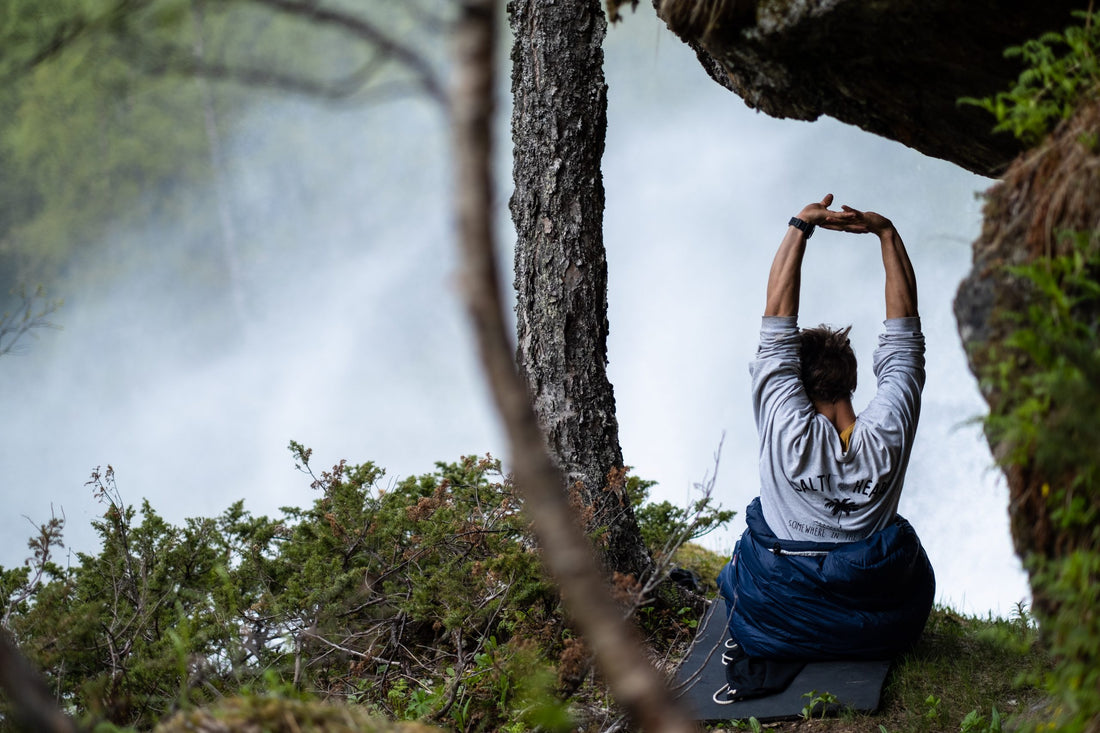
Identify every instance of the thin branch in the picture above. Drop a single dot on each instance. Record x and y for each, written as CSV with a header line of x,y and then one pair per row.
x,y
663,564
337,647
362,28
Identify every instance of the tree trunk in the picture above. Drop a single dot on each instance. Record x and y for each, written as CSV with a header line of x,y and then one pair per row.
x,y
558,125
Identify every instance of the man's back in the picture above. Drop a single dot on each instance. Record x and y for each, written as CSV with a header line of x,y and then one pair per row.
x,y
813,486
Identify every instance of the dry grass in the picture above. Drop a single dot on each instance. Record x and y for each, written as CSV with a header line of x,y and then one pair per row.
x,y
1052,188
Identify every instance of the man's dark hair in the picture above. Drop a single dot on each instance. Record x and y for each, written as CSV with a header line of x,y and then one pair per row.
x,y
828,364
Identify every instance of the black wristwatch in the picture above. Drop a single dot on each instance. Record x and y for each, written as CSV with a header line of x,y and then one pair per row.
x,y
804,226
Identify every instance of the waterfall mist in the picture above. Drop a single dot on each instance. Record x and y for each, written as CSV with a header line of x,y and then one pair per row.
x,y
355,343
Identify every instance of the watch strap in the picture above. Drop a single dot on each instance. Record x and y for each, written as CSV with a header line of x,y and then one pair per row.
x,y
804,226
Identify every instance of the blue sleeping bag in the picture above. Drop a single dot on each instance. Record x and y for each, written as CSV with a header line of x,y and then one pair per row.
x,y
819,600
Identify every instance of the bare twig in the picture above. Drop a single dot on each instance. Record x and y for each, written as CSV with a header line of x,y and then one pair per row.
x,y
338,647
663,563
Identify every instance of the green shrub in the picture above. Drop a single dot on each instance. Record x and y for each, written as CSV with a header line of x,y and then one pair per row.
x,y
424,600
1060,70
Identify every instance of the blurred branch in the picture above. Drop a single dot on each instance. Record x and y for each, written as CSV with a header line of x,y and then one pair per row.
x,y
566,550
33,708
385,48
172,60
363,29
73,29
33,313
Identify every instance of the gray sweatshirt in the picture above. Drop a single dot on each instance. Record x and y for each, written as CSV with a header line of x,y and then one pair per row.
x,y
810,487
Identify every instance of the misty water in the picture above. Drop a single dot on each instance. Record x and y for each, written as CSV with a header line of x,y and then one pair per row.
x,y
355,343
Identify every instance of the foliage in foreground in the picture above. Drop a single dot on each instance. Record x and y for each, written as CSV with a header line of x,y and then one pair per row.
x,y
1043,376
1046,373
423,601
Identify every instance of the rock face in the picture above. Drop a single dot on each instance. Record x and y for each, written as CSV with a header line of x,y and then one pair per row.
x,y
1053,189
896,69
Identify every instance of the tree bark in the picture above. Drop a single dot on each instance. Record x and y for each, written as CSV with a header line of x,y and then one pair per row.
x,y
633,680
559,121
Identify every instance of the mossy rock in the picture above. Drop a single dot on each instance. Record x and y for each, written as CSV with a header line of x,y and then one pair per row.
x,y
280,715
1048,191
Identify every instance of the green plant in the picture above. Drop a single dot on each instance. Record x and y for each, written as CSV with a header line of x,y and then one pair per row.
x,y
961,663
932,707
687,618
820,702
1045,371
1060,70
437,576
975,722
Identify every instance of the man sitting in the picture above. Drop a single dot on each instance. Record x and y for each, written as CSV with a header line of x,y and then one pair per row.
x,y
826,568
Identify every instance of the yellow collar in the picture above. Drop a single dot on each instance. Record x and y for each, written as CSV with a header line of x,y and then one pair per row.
x,y
846,436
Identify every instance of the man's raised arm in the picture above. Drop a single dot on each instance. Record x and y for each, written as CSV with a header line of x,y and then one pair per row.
x,y
785,278
901,281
